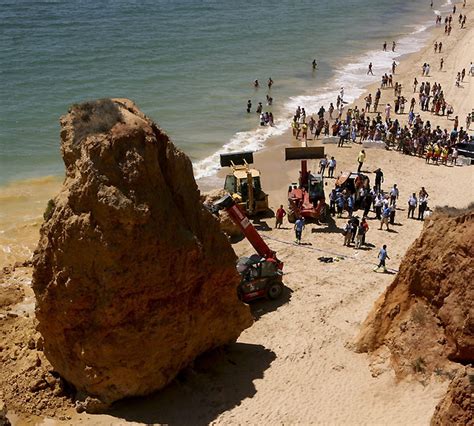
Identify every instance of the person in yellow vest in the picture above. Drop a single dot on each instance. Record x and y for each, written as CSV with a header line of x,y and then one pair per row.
x,y
360,159
304,132
444,155
429,153
436,153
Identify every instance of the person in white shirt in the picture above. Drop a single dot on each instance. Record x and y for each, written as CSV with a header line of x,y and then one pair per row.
x,y
331,167
393,194
412,204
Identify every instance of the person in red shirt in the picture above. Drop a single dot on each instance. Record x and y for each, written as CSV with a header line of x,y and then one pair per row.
x,y
280,214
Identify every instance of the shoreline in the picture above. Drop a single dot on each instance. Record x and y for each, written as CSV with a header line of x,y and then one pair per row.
x,y
17,243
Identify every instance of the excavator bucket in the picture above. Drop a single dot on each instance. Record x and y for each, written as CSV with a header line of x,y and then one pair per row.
x,y
236,159
304,153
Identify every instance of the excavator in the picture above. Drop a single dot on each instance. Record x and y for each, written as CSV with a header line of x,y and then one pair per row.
x,y
244,183
261,274
306,198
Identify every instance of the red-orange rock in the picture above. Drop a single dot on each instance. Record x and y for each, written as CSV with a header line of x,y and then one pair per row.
x,y
425,315
456,406
133,277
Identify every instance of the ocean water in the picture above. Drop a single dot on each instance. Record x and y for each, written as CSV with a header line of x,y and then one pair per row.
x,y
188,64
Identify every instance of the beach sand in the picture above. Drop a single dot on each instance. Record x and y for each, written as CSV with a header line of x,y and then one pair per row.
x,y
296,364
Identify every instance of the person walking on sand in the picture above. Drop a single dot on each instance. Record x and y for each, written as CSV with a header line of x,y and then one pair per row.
x,y
360,159
383,255
384,47
280,214
441,63
299,226
394,65
369,71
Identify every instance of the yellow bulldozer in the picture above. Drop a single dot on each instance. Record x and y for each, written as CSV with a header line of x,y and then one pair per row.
x,y
244,184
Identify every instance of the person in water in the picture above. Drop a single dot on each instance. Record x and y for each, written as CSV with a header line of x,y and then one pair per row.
x,y
314,64
249,105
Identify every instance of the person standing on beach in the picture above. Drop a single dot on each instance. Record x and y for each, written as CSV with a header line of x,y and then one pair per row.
x,y
280,214
394,65
378,179
441,63
415,83
249,105
270,83
299,226
393,46
378,93
384,48
412,204
394,194
331,167
369,71
440,45
383,255
360,159
388,108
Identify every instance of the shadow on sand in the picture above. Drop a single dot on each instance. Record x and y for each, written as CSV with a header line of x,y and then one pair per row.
x,y
218,381
327,227
263,306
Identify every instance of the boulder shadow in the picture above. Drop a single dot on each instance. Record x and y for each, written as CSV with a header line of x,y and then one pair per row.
x,y
263,306
327,227
217,381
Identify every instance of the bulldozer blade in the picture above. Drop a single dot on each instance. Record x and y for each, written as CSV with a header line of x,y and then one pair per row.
x,y
237,158
304,153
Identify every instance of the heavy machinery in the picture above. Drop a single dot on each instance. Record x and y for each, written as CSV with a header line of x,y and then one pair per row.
x,y
261,274
244,184
306,198
353,182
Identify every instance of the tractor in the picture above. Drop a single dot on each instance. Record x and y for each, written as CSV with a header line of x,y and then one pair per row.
x,y
306,198
261,274
244,184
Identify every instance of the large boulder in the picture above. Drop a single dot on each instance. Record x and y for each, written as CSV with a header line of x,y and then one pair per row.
x,y
425,316
133,277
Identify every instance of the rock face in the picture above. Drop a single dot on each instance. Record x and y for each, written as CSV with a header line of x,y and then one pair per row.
x,y
425,316
133,277
456,408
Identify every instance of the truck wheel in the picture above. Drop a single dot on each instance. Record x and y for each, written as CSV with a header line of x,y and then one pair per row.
x,y
275,290
291,217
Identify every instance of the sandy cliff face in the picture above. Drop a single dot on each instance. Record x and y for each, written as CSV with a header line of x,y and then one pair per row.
x,y
456,408
426,315
132,276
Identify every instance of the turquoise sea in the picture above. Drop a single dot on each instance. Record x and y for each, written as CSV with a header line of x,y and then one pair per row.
x,y
189,64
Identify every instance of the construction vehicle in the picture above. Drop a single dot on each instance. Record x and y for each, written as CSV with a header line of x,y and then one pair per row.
x,y
244,184
306,197
353,182
261,274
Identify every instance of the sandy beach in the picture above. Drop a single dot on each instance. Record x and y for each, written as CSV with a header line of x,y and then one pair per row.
x,y
297,364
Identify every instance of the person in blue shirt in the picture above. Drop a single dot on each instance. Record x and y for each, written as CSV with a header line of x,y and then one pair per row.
x,y
299,226
382,256
385,217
